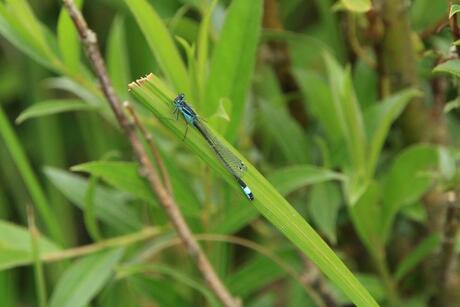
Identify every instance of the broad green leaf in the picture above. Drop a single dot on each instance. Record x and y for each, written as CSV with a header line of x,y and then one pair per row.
x,y
156,97
289,179
81,282
324,205
423,249
408,178
15,245
50,107
367,217
110,206
161,44
233,60
125,177
447,163
452,67
68,40
454,9
378,119
117,58
359,6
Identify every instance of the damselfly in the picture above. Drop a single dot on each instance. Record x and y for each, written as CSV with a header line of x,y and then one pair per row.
x,y
235,166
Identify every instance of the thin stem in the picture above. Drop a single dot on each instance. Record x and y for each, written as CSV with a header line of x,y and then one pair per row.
x,y
40,283
145,234
89,40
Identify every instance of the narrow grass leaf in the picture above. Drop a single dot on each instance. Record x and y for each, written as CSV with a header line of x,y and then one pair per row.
x,y
233,60
50,107
15,248
117,57
423,249
289,179
157,97
161,43
69,43
81,282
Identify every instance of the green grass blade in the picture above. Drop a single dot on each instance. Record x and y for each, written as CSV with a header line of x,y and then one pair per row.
x,y
161,43
155,95
36,193
68,40
117,57
233,60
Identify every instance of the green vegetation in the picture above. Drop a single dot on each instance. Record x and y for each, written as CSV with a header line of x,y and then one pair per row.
x,y
344,112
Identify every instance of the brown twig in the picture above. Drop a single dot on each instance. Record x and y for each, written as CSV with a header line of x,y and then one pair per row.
x,y
148,137
89,40
355,44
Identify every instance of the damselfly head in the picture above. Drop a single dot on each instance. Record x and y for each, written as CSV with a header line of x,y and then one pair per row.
x,y
179,99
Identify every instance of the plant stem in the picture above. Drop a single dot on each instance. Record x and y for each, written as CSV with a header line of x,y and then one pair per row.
x,y
40,283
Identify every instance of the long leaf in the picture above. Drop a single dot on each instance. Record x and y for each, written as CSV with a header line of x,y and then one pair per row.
x,y
161,43
157,97
233,60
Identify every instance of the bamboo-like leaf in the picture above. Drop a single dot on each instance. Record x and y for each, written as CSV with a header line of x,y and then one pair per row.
x,y
157,97
50,107
84,279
